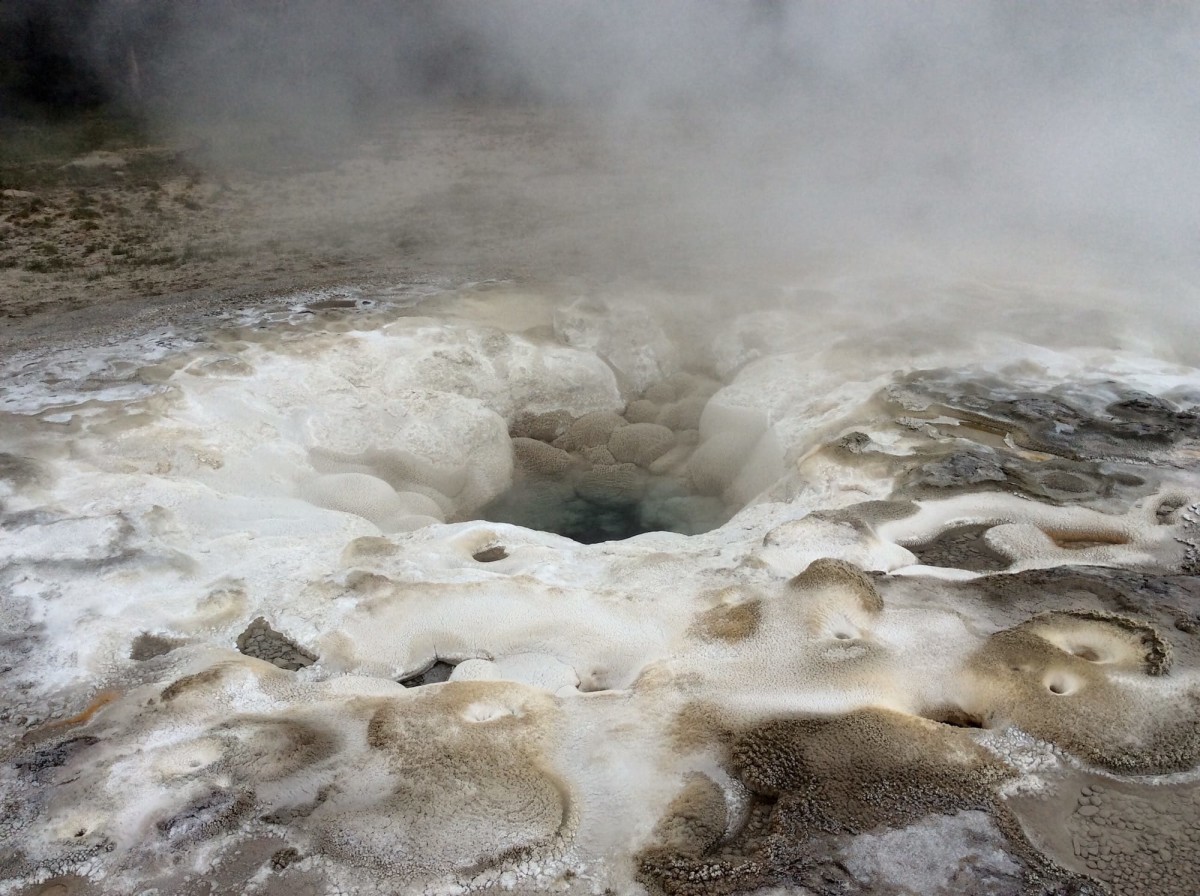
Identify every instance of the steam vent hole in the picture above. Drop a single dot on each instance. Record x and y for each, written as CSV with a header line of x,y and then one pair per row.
x,y
602,477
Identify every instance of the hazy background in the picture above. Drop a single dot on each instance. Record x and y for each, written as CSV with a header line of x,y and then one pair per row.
x,y
753,130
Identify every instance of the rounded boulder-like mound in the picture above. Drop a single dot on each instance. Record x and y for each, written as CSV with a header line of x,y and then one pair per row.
x,y
640,443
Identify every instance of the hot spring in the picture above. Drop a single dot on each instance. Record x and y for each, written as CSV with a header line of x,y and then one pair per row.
x,y
423,588
648,449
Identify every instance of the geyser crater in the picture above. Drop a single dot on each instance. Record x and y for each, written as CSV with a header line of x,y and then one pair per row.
x,y
599,477
275,603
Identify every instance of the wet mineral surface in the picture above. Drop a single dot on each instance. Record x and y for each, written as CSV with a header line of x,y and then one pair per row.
x,y
444,591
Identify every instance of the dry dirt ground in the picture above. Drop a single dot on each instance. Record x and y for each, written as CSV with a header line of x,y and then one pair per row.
x,y
460,193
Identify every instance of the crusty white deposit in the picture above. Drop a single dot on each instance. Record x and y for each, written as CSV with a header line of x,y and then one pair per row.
x,y
322,470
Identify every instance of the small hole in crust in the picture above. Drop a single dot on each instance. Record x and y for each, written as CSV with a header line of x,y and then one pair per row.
x,y
1084,653
436,673
955,716
1061,684
490,555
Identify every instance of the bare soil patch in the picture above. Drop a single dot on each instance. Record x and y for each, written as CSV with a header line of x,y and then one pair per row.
x,y
467,193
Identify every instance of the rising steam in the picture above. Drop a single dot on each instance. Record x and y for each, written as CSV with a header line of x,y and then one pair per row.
x,y
800,121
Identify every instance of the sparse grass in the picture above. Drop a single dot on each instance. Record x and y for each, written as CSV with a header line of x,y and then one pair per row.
x,y
35,154
148,256
159,222
202,254
47,265
58,139
27,208
160,258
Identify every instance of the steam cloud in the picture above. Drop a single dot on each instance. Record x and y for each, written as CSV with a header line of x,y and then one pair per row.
x,y
755,132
